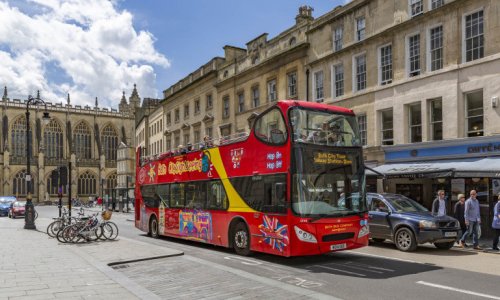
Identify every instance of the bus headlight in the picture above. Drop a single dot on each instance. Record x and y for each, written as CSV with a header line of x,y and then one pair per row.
x,y
304,235
363,231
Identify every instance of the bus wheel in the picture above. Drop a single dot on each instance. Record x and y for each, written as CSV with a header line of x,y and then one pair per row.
x,y
153,228
241,239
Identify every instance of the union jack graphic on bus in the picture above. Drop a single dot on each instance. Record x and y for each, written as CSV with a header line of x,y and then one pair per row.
x,y
273,233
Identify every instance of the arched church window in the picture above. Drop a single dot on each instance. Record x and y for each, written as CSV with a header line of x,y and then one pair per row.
x,y
18,138
87,184
53,140
109,142
82,136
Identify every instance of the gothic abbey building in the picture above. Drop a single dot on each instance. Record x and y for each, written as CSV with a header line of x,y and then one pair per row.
x,y
88,137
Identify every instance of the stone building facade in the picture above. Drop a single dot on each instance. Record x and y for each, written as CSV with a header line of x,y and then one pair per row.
x,y
88,137
422,76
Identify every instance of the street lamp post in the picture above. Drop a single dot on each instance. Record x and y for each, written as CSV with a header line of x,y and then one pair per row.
x,y
29,218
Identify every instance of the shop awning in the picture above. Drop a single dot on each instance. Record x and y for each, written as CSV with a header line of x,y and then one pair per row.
x,y
484,167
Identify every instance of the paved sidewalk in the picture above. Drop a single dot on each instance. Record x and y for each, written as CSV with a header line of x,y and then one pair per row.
x,y
35,266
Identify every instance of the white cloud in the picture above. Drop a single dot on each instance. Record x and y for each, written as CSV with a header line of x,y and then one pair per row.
x,y
85,47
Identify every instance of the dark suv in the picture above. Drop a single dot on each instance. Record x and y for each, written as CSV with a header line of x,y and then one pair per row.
x,y
407,223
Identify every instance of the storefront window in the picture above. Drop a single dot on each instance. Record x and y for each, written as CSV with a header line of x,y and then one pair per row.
x,y
481,186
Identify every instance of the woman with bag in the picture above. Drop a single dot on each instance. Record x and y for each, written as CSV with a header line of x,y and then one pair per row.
x,y
496,224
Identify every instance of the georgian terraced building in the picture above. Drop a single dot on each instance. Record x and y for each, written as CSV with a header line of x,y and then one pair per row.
x,y
88,137
422,76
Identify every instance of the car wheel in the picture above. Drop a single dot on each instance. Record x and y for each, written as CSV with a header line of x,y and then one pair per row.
x,y
444,245
241,240
376,240
153,228
405,240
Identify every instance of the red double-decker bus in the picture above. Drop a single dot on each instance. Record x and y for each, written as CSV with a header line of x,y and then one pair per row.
x,y
295,185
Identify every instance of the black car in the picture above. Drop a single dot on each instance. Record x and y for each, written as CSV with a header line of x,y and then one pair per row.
x,y
407,223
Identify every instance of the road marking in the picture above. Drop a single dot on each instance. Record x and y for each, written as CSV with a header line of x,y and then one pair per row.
x,y
245,261
349,264
444,287
339,270
387,257
370,267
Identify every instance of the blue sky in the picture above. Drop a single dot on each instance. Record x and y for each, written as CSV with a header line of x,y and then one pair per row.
x,y
99,48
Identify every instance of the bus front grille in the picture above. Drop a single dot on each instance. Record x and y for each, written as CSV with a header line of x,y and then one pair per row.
x,y
338,236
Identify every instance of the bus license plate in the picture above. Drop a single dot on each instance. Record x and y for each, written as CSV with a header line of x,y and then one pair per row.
x,y
450,234
338,246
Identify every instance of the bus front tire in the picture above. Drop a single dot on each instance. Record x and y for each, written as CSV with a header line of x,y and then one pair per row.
x,y
153,228
241,240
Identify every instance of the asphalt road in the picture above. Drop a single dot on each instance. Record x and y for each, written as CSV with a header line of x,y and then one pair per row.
x,y
374,272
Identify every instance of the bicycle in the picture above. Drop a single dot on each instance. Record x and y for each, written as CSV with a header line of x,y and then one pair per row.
x,y
61,222
88,229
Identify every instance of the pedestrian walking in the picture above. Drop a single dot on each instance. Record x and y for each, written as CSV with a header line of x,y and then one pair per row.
x,y
459,213
472,218
496,224
439,206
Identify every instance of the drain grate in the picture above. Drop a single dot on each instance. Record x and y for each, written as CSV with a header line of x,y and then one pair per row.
x,y
120,266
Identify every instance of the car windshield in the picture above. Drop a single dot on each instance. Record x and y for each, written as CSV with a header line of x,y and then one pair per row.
x,y
7,200
403,204
19,204
323,179
324,128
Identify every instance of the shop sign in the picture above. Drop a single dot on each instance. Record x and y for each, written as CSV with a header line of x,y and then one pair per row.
x,y
486,148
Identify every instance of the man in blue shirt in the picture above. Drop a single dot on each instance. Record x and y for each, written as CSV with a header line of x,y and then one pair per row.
x,y
472,217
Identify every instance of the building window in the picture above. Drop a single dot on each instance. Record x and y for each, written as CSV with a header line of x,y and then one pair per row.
x,y
292,85
339,80
111,181
169,145
82,137
208,131
53,140
109,142
387,127
186,111
19,183
197,136
318,86
18,138
53,185
385,65
87,184
186,139
416,7
338,38
436,3
474,108
362,129
177,141
436,119
255,96
360,29
209,101
241,102
197,106
169,119
225,108
436,48
474,36
177,115
271,90
360,72
415,122
414,55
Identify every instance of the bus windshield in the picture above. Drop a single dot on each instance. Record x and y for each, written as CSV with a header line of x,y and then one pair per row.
x,y
328,183
324,128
